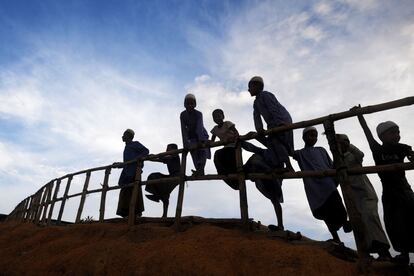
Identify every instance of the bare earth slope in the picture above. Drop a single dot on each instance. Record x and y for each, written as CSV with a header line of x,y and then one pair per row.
x,y
154,249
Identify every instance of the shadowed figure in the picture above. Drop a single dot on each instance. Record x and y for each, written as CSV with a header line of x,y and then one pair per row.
x,y
194,133
133,150
264,161
365,199
275,115
225,158
322,194
397,195
162,191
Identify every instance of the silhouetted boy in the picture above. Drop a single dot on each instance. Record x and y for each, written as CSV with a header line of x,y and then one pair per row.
x,y
133,150
397,195
194,133
162,191
322,194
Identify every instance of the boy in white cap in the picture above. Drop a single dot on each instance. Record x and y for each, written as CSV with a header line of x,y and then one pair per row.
x,y
225,158
267,106
194,133
322,194
397,195
366,200
133,150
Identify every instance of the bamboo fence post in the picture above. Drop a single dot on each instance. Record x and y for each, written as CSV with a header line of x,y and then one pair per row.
x,y
103,195
29,208
26,204
136,194
35,205
65,196
47,203
41,204
180,199
242,186
52,204
83,197
355,218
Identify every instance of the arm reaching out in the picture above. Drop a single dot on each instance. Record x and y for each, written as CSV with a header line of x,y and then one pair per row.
x,y
368,134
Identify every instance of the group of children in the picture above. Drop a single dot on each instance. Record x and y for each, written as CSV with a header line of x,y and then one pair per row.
x,y
323,197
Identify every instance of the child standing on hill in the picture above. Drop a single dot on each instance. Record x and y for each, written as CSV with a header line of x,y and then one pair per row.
x,y
194,133
323,197
225,158
366,200
397,195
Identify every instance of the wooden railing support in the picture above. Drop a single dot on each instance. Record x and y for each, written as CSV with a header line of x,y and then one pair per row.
x,y
136,197
64,198
103,195
53,202
355,218
83,197
181,187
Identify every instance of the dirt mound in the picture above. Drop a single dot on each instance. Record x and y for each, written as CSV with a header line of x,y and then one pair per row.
x,y
155,249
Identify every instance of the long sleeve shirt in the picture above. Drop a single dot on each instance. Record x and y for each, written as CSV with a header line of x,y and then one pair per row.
x,y
267,106
132,150
192,128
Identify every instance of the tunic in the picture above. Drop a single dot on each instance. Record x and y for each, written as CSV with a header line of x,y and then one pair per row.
x,y
225,158
193,131
366,202
397,196
133,150
323,197
275,114
317,189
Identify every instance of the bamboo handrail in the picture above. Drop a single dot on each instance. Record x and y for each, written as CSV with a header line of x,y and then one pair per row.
x,y
32,207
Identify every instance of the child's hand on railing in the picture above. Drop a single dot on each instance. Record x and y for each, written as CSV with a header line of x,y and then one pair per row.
x,y
250,134
117,165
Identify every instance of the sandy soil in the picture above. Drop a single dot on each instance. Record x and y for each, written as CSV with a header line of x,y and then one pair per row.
x,y
155,249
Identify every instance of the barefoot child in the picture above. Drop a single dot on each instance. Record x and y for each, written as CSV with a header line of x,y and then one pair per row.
x,y
397,195
162,191
366,200
225,158
194,133
323,197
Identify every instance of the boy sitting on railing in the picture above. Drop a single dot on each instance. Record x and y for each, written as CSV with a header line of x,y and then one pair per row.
x,y
225,158
322,194
133,150
397,195
162,191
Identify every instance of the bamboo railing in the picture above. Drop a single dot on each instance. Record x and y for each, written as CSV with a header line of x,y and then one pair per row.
x,y
38,208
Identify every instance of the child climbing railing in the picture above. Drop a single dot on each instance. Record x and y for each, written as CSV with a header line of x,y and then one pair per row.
x,y
38,208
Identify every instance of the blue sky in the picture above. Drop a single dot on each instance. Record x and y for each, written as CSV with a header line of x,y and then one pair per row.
x,y
75,74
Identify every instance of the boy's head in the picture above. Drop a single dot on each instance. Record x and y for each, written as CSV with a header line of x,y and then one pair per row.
x,y
190,102
172,147
343,142
128,135
388,132
310,136
218,116
256,85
